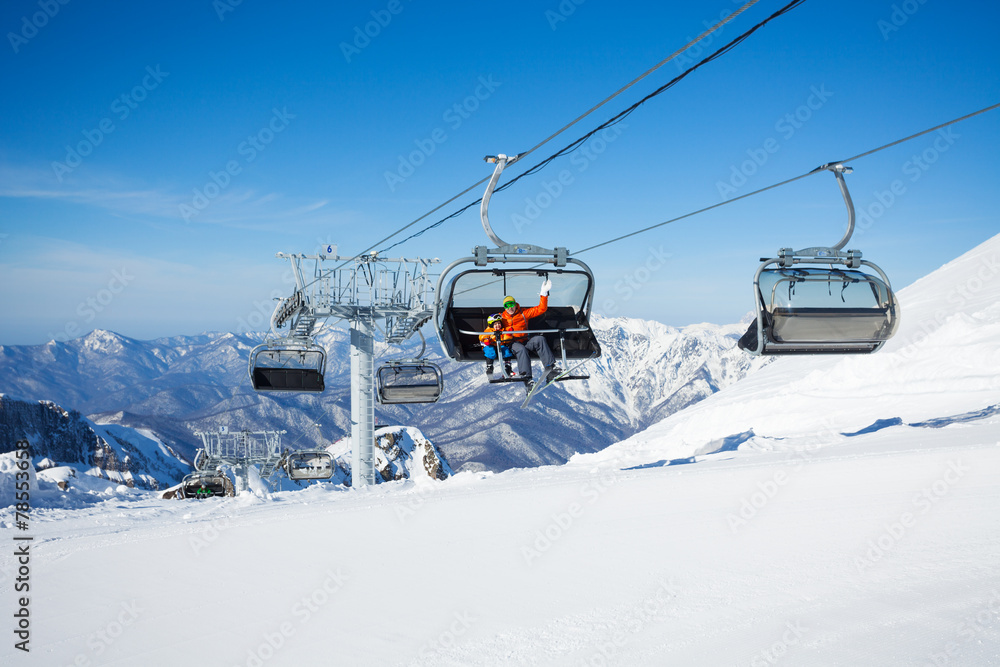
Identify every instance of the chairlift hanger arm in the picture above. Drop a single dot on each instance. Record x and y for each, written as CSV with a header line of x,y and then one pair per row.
x,y
500,161
839,169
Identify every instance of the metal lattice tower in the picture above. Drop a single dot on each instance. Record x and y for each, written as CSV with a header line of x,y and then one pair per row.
x,y
364,290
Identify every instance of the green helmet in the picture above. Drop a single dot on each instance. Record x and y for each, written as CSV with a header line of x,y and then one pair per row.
x,y
493,319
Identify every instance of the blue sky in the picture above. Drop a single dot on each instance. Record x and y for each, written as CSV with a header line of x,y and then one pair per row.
x,y
155,157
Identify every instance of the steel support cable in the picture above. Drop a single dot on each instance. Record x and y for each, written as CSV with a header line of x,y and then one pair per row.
x,y
670,84
790,180
579,141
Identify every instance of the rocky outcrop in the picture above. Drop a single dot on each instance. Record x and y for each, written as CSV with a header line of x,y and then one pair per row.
x,y
65,437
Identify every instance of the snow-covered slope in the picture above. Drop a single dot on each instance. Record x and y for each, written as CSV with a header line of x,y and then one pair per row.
x,y
178,386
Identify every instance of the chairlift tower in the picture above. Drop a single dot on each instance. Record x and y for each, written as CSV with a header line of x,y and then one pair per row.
x,y
392,296
237,450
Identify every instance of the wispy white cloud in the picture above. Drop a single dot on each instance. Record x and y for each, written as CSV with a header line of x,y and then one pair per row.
x,y
242,208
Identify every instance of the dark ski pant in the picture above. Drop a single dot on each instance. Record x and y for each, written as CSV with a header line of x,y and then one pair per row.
x,y
539,346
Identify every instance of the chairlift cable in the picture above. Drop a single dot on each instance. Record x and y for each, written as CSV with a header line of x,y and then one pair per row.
x,y
790,180
918,134
614,120
621,90
622,115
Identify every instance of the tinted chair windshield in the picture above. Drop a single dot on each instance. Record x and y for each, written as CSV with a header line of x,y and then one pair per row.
x,y
487,289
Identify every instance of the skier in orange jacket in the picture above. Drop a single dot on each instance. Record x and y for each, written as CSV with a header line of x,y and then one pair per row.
x,y
515,318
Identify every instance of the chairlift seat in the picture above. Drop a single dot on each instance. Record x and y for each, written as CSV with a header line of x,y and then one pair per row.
x,y
819,324
277,366
577,344
409,382
206,485
287,379
307,464
822,311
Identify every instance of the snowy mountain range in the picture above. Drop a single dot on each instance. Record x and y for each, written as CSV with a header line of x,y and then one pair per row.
x,y
176,386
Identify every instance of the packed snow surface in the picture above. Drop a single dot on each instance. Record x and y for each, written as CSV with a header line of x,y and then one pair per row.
x,y
822,511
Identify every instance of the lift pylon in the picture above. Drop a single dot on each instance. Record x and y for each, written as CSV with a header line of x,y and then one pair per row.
x,y
364,290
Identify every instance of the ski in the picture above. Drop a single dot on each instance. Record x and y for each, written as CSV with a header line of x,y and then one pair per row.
x,y
564,375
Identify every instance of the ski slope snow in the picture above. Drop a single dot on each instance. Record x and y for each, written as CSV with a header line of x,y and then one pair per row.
x,y
822,511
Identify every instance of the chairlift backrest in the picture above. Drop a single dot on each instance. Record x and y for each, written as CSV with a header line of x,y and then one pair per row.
x,y
416,381
276,366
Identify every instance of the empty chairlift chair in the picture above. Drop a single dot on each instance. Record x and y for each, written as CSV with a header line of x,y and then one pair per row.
x,y
409,381
821,300
308,464
284,366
